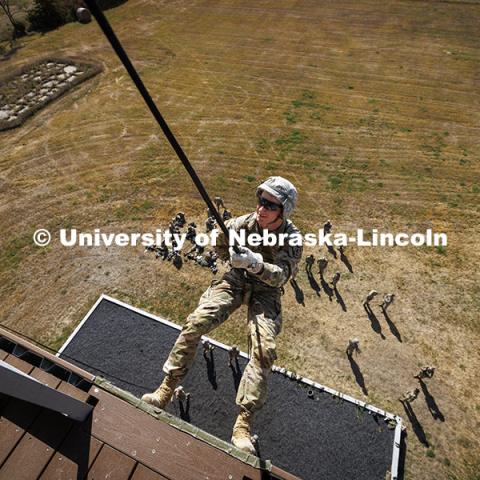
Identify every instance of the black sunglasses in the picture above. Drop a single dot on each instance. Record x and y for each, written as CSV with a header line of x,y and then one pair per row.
x,y
268,204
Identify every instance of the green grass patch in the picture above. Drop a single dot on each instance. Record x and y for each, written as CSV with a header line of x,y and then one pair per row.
x,y
15,250
307,99
288,142
290,117
334,182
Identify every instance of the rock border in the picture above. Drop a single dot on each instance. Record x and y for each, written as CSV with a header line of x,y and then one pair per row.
x,y
35,85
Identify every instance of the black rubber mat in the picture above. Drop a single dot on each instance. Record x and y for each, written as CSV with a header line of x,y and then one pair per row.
x,y
315,436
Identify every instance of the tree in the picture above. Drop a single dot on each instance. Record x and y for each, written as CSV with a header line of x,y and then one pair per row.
x,y
47,15
18,27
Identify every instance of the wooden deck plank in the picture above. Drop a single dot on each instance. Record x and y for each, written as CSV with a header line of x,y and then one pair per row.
x,y
72,391
15,419
111,463
37,446
74,457
18,415
162,448
144,473
278,472
16,362
3,354
45,378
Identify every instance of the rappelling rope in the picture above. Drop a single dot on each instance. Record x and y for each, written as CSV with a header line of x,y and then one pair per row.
x,y
117,47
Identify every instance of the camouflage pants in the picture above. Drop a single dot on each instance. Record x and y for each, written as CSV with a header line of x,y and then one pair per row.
x,y
264,323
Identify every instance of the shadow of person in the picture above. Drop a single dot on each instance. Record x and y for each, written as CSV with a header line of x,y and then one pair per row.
x,y
236,374
340,299
313,283
416,425
299,296
185,409
211,373
326,288
346,262
392,326
375,324
358,374
431,403
332,251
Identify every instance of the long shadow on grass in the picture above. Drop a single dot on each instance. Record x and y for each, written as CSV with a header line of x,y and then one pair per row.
x,y
332,251
346,262
358,374
375,324
392,326
326,288
299,296
340,299
431,403
313,283
416,425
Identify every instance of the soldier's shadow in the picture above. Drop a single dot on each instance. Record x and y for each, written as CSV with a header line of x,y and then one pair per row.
x,y
236,374
332,251
299,296
393,328
313,283
340,299
375,324
346,262
416,425
358,374
326,288
211,372
185,410
431,403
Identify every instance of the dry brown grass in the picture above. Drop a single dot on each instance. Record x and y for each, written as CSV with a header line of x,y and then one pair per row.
x,y
371,109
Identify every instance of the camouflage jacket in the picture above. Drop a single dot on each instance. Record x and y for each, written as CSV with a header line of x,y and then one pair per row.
x,y
280,262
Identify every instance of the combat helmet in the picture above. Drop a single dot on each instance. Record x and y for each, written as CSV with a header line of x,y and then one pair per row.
x,y
283,190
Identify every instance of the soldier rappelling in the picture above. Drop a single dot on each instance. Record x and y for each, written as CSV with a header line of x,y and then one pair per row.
x,y
255,279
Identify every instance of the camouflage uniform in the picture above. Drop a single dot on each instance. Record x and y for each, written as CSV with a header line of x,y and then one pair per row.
x,y
261,292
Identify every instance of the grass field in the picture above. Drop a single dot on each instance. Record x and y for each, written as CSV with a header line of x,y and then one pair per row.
x,y
370,108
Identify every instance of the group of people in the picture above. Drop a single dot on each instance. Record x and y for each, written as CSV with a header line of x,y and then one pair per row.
x,y
256,279
196,253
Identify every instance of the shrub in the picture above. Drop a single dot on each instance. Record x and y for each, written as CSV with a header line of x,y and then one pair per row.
x,y
47,15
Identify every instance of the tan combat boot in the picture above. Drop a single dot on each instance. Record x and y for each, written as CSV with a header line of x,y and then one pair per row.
x,y
241,436
163,394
